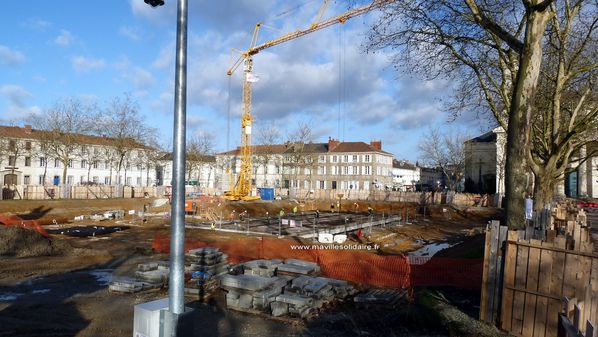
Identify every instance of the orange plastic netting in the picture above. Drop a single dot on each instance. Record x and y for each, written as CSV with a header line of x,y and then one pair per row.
x,y
362,267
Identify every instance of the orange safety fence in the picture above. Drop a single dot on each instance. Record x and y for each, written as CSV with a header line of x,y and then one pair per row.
x,y
15,220
361,267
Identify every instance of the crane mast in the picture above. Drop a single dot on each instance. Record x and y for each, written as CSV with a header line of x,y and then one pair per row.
x,y
242,189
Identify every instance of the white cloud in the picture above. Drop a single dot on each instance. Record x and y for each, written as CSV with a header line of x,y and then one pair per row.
x,y
10,57
37,24
131,33
17,106
83,64
64,39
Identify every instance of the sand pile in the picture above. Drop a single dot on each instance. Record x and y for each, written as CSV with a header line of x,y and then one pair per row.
x,y
21,242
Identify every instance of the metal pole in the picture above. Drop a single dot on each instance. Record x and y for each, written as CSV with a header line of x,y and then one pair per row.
x,y
177,229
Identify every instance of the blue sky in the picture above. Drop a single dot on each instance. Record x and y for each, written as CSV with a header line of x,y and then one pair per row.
x,y
96,50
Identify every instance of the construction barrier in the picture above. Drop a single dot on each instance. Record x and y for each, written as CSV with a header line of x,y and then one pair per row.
x,y
15,220
361,267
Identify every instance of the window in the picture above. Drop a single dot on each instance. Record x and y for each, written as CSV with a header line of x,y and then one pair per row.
x,y
70,163
355,158
12,161
334,159
306,171
83,149
367,170
322,184
12,144
42,161
81,179
41,180
28,146
56,163
96,151
355,169
70,180
322,159
346,158
335,170
84,163
106,180
334,184
346,170
366,158
95,164
26,180
27,161
96,180
129,180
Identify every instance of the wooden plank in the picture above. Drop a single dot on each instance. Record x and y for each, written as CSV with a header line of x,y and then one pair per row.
x,y
520,282
556,284
594,296
484,298
492,254
533,268
499,276
543,287
550,235
590,329
509,280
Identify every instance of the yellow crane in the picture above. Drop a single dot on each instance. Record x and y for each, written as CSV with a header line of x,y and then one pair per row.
x,y
242,189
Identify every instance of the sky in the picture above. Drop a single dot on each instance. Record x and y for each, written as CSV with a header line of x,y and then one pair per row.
x,y
97,50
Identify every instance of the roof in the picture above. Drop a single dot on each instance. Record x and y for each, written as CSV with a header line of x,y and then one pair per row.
x,y
488,137
342,147
190,157
30,133
403,164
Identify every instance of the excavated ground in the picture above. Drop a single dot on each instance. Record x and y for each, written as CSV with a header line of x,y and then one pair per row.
x,y
66,294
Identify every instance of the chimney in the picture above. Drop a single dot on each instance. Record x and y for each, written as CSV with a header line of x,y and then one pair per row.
x,y
332,143
27,129
377,144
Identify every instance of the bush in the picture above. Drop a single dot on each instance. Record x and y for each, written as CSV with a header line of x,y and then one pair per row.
x,y
21,242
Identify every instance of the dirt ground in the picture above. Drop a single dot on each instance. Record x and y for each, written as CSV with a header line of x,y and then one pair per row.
x,y
67,295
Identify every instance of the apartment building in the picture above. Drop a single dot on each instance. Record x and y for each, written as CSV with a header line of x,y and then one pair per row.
x,y
28,157
331,165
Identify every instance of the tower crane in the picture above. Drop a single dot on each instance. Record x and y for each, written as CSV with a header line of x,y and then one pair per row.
x,y
241,190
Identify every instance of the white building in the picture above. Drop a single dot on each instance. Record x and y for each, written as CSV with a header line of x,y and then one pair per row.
x,y
332,165
485,168
200,171
405,175
26,159
485,162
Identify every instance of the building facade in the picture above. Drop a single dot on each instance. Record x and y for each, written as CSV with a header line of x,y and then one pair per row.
x,y
405,175
310,166
485,168
27,157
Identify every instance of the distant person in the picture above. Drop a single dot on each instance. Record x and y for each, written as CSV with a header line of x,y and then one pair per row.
x,y
356,207
370,210
332,207
281,213
317,213
295,210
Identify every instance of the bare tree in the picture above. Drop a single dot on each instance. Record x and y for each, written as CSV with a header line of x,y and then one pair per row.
x,y
199,148
494,50
267,137
65,123
297,156
446,152
122,123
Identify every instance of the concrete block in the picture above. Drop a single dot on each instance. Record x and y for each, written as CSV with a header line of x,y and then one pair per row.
x,y
245,301
247,282
297,301
296,269
279,308
147,266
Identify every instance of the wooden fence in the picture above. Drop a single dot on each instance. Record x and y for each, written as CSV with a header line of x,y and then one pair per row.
x,y
527,273
571,323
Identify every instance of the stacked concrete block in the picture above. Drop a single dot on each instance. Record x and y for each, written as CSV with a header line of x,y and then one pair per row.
x,y
251,292
264,268
153,272
207,260
295,267
130,285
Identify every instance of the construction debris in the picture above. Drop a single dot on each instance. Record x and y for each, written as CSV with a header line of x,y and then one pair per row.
x,y
278,289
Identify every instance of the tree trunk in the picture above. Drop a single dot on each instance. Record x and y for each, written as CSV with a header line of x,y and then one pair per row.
x,y
520,115
544,185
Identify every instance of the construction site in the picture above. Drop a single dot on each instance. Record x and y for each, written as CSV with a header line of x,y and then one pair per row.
x,y
294,239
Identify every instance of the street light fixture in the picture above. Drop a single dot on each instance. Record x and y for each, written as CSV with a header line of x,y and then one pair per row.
x,y
154,3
